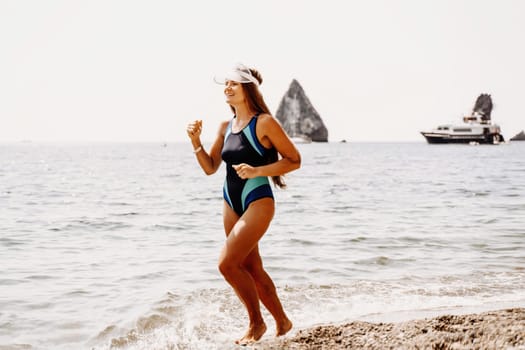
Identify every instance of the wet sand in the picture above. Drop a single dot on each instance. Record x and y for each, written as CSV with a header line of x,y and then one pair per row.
x,y
501,329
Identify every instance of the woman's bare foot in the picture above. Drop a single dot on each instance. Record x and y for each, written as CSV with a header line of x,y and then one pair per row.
x,y
283,328
253,334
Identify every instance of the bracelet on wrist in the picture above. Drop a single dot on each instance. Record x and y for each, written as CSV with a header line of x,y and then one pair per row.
x,y
198,149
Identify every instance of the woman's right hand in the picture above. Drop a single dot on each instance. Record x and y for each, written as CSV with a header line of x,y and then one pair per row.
x,y
194,130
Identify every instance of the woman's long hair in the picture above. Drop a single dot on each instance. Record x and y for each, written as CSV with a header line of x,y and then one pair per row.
x,y
256,103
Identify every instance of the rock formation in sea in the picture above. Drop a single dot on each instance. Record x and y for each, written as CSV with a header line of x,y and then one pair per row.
x,y
519,137
483,106
299,117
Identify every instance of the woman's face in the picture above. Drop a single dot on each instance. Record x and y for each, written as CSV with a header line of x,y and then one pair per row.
x,y
234,93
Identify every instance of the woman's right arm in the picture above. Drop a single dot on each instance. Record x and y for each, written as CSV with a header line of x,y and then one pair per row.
x,y
211,161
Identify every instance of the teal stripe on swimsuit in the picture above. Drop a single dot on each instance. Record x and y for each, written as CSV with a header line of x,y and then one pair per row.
x,y
250,185
248,132
228,130
227,194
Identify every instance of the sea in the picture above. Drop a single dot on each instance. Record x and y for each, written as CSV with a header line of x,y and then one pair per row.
x,y
115,245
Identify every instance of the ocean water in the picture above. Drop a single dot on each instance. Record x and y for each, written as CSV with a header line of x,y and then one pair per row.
x,y
115,245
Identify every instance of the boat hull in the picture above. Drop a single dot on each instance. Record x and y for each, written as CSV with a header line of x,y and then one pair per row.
x,y
437,138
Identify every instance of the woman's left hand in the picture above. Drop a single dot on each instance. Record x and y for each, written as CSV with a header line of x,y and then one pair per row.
x,y
245,171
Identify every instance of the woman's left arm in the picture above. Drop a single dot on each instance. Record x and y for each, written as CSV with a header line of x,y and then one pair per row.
x,y
271,133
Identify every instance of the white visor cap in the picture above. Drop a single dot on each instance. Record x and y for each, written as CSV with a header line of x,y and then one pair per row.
x,y
239,73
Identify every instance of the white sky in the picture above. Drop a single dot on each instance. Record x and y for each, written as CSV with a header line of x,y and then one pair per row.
x,y
379,70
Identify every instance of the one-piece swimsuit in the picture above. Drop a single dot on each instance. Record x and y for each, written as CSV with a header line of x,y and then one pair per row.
x,y
244,147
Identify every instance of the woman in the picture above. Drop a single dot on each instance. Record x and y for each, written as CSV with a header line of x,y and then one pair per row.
x,y
249,144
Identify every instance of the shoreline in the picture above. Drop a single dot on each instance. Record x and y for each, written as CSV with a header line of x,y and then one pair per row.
x,y
498,329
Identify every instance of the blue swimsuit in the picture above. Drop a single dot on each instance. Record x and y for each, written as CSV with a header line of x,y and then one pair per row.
x,y
244,147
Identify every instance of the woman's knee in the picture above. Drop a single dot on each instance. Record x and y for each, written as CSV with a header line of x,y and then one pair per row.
x,y
254,268
227,266
224,267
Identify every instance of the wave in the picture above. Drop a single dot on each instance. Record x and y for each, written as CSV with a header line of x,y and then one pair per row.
x,y
213,318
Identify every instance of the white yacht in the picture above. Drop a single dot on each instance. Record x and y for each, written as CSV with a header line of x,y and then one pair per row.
x,y
476,128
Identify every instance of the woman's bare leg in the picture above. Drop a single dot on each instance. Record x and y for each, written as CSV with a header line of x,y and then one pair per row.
x,y
241,240
267,291
265,287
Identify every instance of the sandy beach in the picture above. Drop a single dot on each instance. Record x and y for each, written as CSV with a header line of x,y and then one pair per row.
x,y
501,329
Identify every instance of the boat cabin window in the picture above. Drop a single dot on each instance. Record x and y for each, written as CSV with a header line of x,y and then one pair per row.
x,y
462,130
442,127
